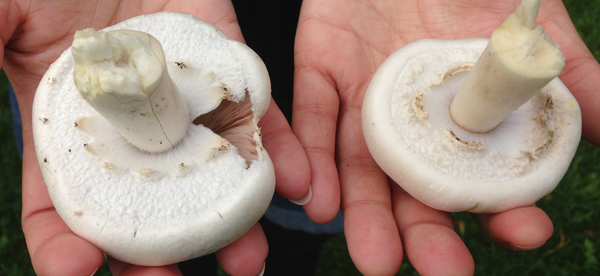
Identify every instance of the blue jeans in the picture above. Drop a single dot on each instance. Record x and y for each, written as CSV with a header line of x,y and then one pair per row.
x,y
16,118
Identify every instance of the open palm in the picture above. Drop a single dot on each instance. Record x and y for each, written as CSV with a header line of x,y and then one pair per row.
x,y
339,46
34,34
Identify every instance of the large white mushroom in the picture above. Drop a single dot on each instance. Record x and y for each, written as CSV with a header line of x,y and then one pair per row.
x,y
475,125
155,157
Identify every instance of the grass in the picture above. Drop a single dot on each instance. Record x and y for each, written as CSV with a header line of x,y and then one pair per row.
x,y
574,248
13,253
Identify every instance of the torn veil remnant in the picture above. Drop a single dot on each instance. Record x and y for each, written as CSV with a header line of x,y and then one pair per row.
x,y
172,165
466,141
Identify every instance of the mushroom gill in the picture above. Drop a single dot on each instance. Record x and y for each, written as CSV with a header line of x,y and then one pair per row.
x,y
233,121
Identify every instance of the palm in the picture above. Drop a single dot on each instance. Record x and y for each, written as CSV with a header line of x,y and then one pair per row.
x,y
33,41
53,29
339,46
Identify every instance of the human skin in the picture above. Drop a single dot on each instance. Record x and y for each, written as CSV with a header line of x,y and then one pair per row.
x,y
33,34
339,45
334,64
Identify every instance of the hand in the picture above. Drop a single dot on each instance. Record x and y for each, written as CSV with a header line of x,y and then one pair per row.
x,y
34,34
339,46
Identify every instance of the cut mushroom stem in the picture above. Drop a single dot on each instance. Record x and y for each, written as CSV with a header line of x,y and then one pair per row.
x,y
122,75
519,60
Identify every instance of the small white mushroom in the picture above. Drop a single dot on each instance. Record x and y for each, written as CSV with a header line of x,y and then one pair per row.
x,y
483,125
155,157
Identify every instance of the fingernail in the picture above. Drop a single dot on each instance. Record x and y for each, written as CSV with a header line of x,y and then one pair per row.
x,y
303,200
94,272
520,248
262,272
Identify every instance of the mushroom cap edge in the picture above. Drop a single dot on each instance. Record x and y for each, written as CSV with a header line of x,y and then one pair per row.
x,y
253,199
428,185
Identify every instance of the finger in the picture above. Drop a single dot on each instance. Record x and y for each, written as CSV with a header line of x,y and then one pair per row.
x,y
118,268
371,233
518,229
292,170
53,248
246,255
581,71
314,119
429,239
581,77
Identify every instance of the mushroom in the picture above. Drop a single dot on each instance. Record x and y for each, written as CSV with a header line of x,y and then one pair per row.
x,y
155,157
475,125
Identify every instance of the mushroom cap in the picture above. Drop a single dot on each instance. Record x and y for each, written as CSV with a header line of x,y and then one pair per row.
x,y
410,134
158,208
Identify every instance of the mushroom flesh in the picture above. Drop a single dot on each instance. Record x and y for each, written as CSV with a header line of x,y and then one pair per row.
x,y
475,125
153,156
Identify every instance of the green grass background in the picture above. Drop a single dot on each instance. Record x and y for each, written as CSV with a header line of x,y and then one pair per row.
x,y
574,248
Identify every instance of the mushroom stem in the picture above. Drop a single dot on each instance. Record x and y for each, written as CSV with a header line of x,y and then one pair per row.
x,y
122,75
519,60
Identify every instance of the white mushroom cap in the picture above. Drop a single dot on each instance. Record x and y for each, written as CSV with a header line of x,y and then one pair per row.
x,y
409,131
162,207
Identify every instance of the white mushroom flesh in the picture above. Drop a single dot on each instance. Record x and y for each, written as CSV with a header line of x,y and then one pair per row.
x,y
166,206
518,61
515,159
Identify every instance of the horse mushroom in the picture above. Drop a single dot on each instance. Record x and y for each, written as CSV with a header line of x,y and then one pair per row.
x,y
162,161
475,125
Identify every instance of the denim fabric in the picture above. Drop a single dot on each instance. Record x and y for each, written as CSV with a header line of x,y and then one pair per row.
x,y
291,216
16,116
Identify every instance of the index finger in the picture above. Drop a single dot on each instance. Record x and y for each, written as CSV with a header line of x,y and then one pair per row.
x,y
314,119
